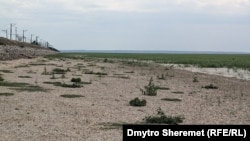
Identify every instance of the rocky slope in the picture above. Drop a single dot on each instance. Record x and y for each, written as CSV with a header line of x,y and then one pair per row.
x,y
10,50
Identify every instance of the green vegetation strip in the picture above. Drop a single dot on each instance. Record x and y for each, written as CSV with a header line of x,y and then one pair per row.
x,y
171,99
71,96
22,86
6,71
24,77
201,60
6,94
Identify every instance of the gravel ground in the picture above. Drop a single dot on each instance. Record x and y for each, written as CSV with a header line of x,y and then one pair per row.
x,y
28,116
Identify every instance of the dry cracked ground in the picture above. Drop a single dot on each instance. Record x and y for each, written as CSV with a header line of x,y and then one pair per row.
x,y
33,108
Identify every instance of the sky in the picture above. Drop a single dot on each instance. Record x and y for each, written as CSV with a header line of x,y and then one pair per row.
x,y
169,25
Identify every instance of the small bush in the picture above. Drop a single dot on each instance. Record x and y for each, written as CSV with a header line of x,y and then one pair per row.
x,y
76,80
150,89
211,86
162,118
138,102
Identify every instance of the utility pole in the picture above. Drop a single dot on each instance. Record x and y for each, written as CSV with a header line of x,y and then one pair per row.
x,y
16,32
31,38
11,25
23,34
6,31
37,39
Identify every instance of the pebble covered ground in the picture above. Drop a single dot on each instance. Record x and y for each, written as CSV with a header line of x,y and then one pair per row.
x,y
104,107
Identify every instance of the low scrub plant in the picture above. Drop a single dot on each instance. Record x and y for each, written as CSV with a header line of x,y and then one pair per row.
x,y
138,102
59,71
150,89
1,78
71,96
162,118
171,99
161,77
6,94
211,86
76,80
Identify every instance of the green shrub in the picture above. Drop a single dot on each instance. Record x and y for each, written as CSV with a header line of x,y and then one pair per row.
x,y
76,80
138,102
150,89
162,118
211,86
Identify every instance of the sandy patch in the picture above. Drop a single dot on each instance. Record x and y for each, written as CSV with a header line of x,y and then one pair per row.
x,y
226,72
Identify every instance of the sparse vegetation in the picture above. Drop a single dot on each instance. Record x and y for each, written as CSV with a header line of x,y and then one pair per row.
x,y
53,76
171,99
24,77
22,66
63,76
95,73
1,78
195,79
45,71
106,60
162,118
162,88
54,83
122,77
6,71
150,89
22,86
59,71
13,84
129,72
6,94
76,80
178,92
161,77
138,102
74,85
71,96
211,86
30,88
108,126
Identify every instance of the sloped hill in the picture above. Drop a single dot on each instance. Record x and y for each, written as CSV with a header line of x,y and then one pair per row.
x,y
10,50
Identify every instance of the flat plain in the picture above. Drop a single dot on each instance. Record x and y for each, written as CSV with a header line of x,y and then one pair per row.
x,y
43,98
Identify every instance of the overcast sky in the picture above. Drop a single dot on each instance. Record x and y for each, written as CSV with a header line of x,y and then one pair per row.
x,y
172,25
